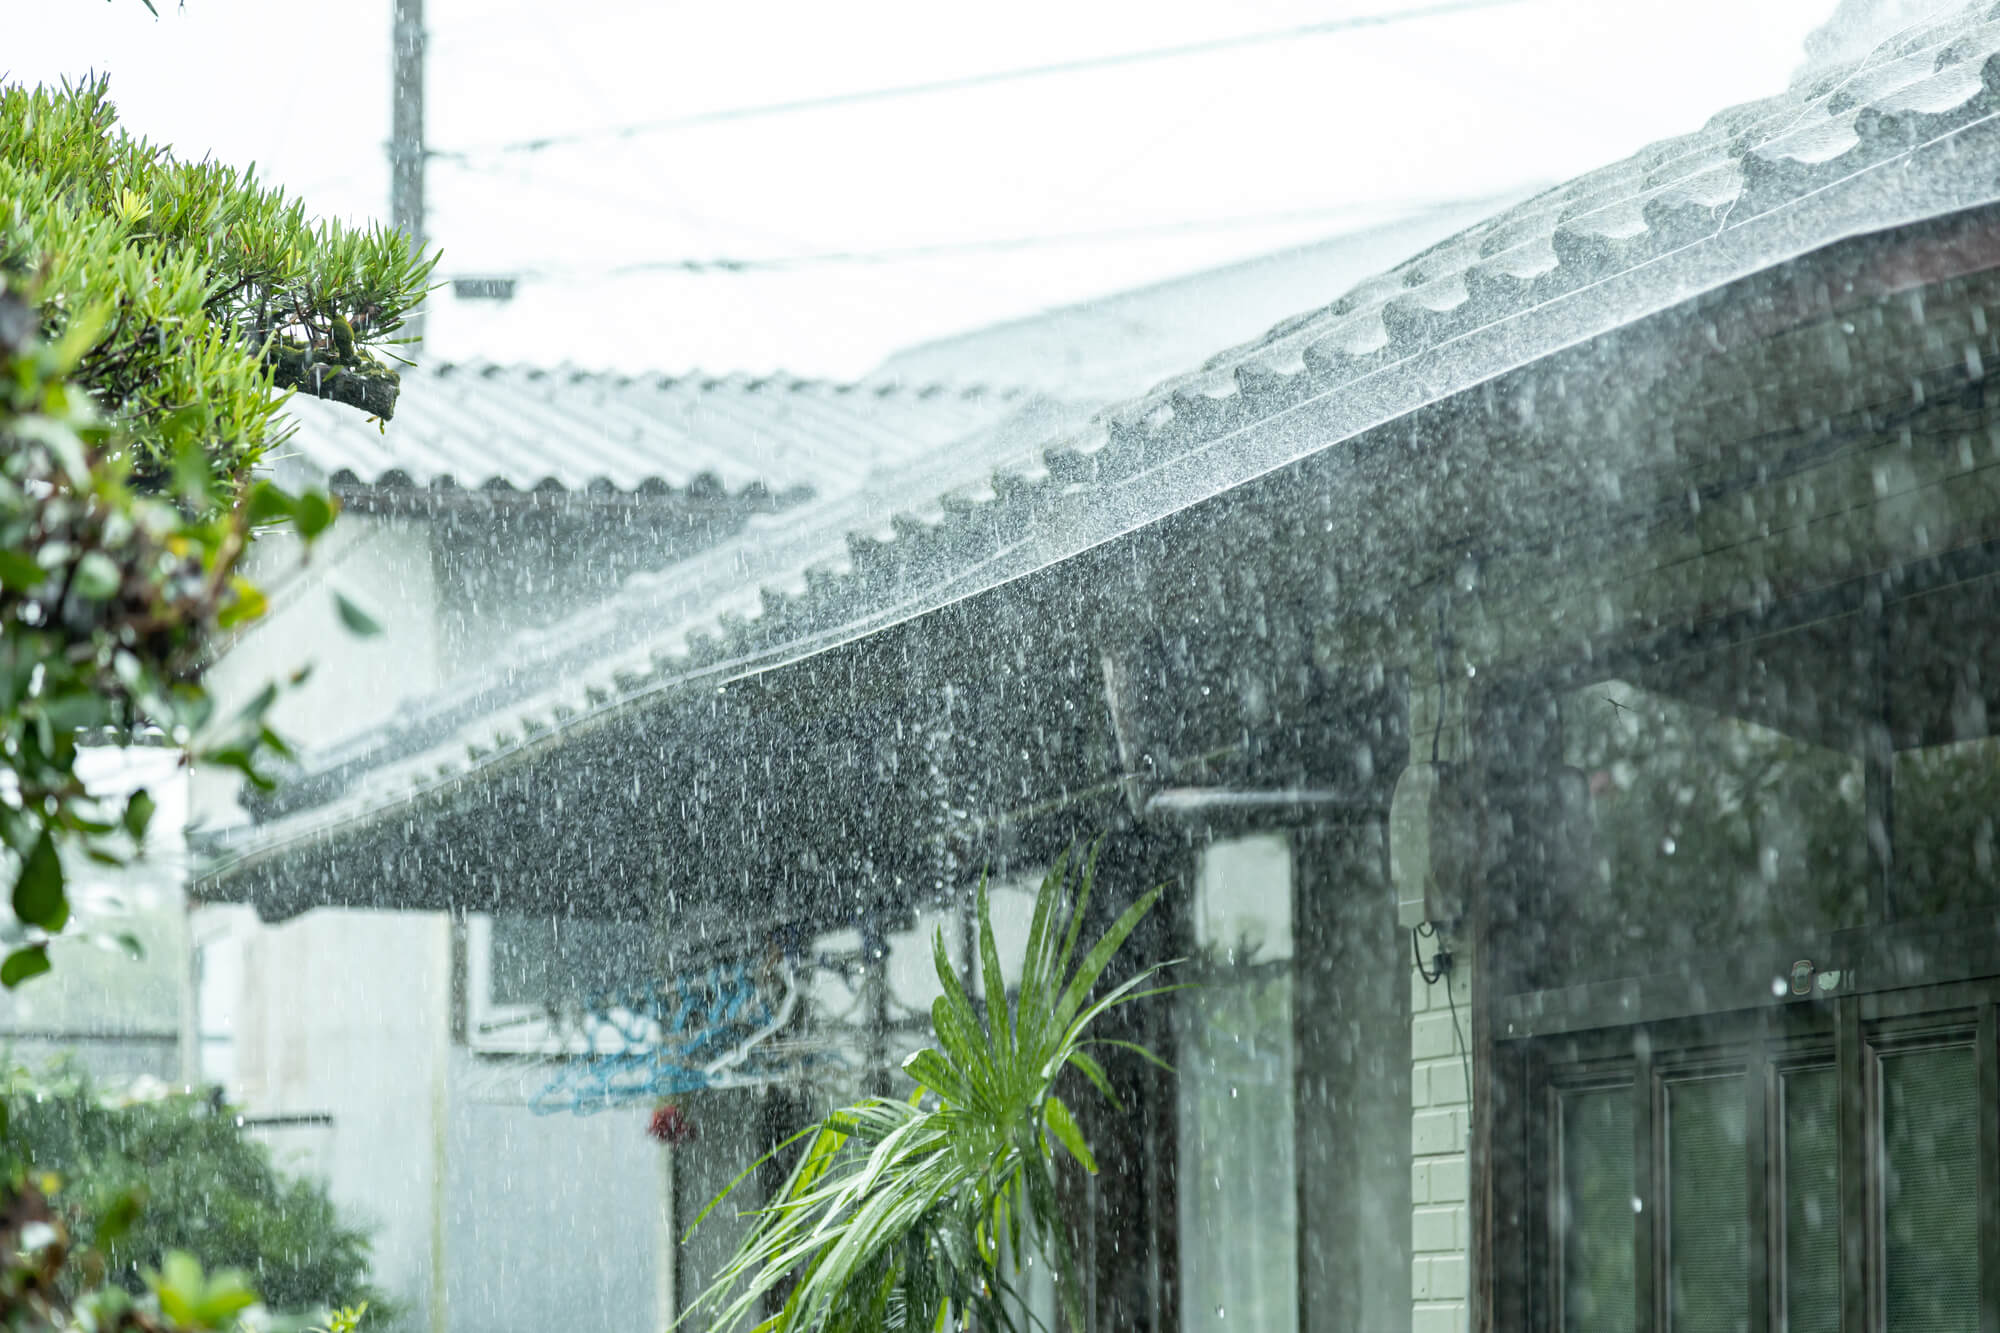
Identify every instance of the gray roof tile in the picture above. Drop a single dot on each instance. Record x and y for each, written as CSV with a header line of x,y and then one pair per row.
x,y
514,427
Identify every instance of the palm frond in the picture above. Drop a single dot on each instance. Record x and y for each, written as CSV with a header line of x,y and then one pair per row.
x,y
910,1215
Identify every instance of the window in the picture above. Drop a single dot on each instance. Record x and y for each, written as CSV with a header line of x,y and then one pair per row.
x,y
1693,806
1762,1171
523,974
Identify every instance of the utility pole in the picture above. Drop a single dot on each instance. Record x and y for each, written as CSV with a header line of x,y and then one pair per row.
x,y
406,133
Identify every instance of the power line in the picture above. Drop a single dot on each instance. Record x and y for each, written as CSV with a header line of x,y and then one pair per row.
x,y
1390,211
929,87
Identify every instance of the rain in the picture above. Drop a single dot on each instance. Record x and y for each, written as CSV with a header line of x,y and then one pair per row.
x,y
1316,666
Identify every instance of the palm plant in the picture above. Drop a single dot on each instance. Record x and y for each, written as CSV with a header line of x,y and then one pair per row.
x,y
913,1214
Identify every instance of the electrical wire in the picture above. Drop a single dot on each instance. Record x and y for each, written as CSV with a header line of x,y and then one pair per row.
x,y
1417,953
932,87
1458,1039
1441,967
1388,211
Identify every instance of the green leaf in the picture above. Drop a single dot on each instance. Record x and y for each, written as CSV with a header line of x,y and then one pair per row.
x,y
194,473
116,1218
24,963
227,1295
239,758
1099,957
38,889
97,578
1036,958
957,1028
1095,1073
247,603
358,622
964,1044
123,941
1084,884
1142,1052
931,1070
253,710
993,982
19,571
313,514
139,809
1064,1126
268,504
900,1213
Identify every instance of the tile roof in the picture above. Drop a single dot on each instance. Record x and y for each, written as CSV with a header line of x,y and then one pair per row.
x,y
1116,346
522,428
1909,133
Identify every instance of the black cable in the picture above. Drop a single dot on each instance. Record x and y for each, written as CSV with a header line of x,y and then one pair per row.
x,y
1443,959
1441,970
1458,1038
1437,733
1392,212
933,86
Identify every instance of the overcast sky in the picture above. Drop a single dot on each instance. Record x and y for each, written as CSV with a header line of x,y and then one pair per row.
x,y
1351,126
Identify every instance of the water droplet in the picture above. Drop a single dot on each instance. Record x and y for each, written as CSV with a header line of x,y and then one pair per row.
x,y
1667,846
1638,1204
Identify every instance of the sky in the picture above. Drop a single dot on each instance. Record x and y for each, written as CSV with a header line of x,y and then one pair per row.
x,y
1331,131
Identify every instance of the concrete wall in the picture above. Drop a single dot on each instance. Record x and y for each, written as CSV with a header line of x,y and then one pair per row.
x,y
346,1014
486,1217
549,1221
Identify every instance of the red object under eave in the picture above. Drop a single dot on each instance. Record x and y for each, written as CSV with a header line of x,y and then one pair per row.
x,y
671,1126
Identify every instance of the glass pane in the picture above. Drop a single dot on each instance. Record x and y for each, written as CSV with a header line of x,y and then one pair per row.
x,y
536,959
1946,798
1708,1242
1238,1185
1812,1201
1930,1158
1707,832
1596,1217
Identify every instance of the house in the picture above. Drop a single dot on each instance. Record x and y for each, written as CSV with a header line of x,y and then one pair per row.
x,y
1554,678
492,525
507,499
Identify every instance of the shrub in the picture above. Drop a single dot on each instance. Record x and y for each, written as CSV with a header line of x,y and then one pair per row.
x,y
200,1184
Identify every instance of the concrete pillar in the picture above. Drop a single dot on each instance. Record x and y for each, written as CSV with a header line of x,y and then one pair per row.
x,y
1351,1018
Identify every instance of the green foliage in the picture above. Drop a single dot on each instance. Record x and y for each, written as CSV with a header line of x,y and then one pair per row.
x,y
346,1319
151,312
198,286
40,1274
138,1182
910,1215
192,1298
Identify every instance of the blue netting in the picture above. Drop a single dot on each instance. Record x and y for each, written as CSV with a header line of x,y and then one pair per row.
x,y
700,1030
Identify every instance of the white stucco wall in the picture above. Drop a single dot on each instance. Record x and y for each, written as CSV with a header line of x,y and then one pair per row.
x,y
346,1014
384,566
